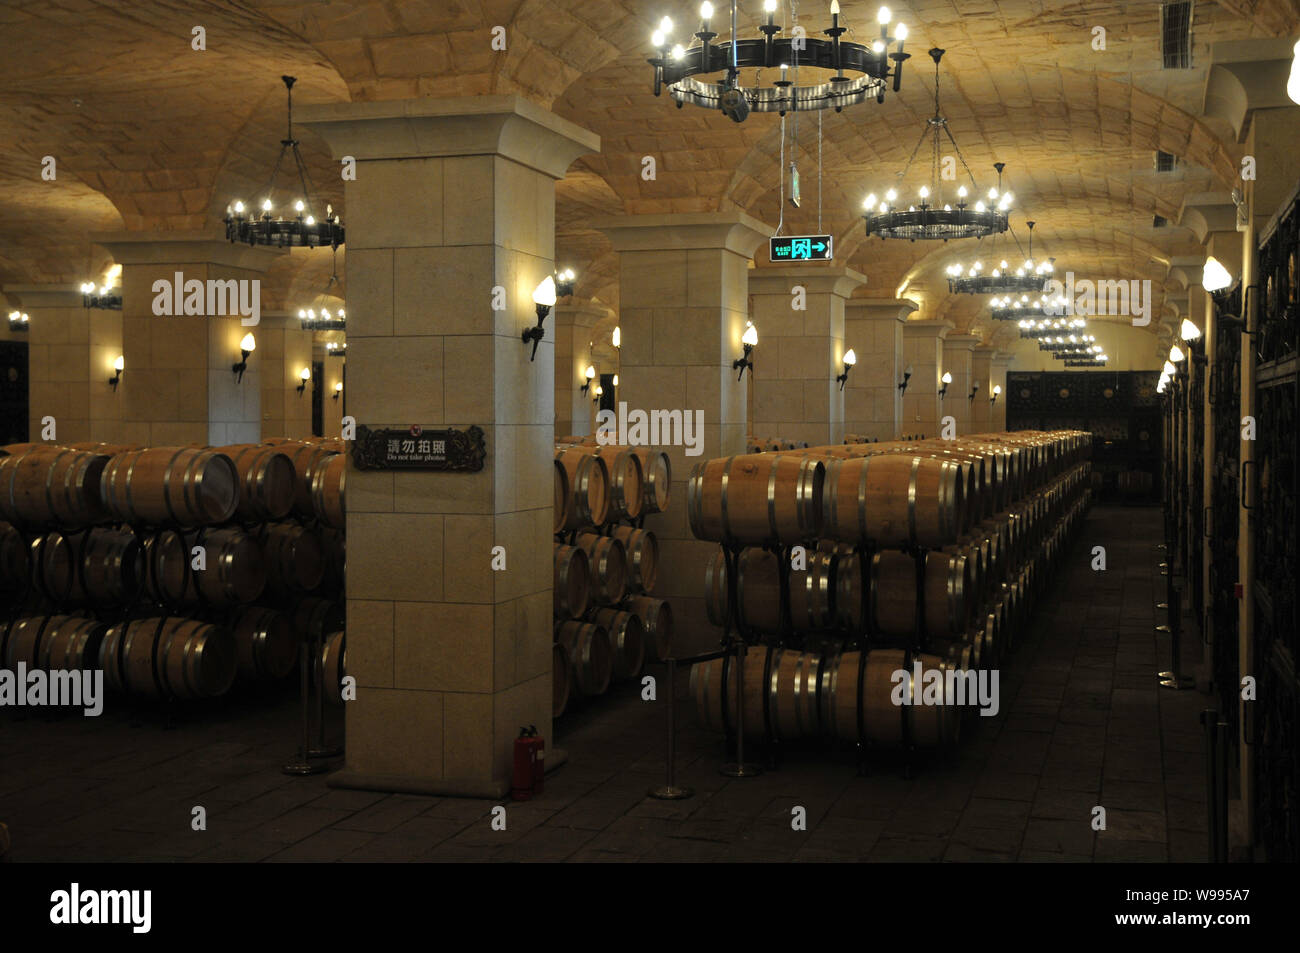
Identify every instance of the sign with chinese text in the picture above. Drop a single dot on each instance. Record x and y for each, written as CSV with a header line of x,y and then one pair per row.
x,y
801,248
417,448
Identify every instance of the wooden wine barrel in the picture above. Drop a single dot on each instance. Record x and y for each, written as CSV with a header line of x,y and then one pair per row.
x,y
171,485
571,589
755,499
560,680
626,641
168,658
812,594
850,597
792,702
781,693
106,567
107,449
895,500
626,481
266,481
608,561
52,557
590,657
588,503
334,666
893,593
561,498
41,485
295,560
958,655
949,598
57,643
838,696
656,617
758,590
314,617
329,480
235,572
23,642
14,560
334,545
306,457
711,706
266,645
642,557
928,725
657,472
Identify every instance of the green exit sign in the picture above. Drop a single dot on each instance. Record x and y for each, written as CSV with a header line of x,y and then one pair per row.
x,y
801,248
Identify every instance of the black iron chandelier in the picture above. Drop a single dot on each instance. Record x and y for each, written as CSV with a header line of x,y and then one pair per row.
x,y
319,317
932,218
678,68
1049,327
1099,362
1031,277
1016,309
1070,343
107,297
302,229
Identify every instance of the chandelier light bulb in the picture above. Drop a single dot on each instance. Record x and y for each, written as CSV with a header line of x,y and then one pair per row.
x,y
979,206
657,39
900,32
1214,277
891,195
870,202
993,194
1189,331
298,206
678,51
706,11
87,287
883,16
835,8
769,6
666,26
962,193
878,46
266,205
341,314
947,207
239,208
925,192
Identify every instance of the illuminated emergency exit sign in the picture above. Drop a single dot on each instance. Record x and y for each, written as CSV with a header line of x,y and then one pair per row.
x,y
801,248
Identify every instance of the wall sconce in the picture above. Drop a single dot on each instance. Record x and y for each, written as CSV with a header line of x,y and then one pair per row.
x,y
750,341
997,391
118,367
564,282
850,359
615,382
598,393
1189,331
1176,354
1214,277
544,298
338,389
590,374
974,389
246,347
617,337
946,380
907,374
303,377
18,321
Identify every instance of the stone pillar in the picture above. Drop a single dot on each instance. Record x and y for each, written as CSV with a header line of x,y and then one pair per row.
x,y
796,395
998,409
981,368
873,405
683,288
453,198
71,351
923,352
958,351
573,408
178,387
334,375
283,350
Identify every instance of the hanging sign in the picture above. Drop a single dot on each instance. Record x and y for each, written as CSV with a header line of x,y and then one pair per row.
x,y
801,248
418,448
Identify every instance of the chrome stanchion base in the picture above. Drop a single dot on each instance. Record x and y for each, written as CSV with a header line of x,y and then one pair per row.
x,y
1177,683
332,751
738,770
303,767
1162,606
668,792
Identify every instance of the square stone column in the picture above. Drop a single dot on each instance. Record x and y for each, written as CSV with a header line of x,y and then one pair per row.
x,y
873,404
923,352
178,387
573,406
283,350
981,369
451,212
71,352
799,314
998,410
683,288
958,352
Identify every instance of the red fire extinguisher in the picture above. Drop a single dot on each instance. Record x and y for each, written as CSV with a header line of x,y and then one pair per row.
x,y
530,764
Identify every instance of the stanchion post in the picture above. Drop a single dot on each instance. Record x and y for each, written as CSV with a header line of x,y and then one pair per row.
x,y
301,765
738,768
669,791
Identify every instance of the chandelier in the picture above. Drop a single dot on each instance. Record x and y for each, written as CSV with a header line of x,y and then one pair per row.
x,y
1099,362
318,317
302,229
1007,308
677,68
1069,343
107,297
1030,277
1046,328
336,349
19,321
928,218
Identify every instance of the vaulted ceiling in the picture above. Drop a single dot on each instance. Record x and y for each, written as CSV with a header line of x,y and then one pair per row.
x,y
150,134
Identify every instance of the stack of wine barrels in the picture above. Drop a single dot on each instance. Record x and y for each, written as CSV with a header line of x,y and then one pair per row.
x,y
772,444
201,565
925,549
607,621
